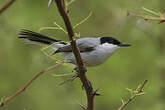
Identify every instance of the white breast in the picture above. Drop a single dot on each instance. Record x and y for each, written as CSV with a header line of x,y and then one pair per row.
x,y
95,57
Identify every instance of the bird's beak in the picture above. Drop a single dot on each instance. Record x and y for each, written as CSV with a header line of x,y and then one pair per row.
x,y
124,45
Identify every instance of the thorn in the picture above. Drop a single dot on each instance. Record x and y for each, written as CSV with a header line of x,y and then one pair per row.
x,y
128,13
161,21
68,11
1,104
145,19
97,94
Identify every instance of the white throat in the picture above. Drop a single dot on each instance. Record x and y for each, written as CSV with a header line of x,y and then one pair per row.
x,y
109,48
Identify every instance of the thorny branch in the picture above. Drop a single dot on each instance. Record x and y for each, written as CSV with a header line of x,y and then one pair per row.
x,y
9,3
28,84
159,16
81,67
140,90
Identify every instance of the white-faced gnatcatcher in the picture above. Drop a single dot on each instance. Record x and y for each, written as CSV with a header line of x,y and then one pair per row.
x,y
94,51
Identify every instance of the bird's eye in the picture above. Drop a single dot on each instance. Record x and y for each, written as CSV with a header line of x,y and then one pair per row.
x,y
115,42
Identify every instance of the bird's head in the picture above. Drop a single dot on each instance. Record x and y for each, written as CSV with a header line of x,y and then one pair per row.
x,y
113,41
111,44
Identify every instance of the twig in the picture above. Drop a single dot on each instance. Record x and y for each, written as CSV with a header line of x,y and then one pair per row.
x,y
9,3
28,84
69,79
81,67
82,106
161,17
140,90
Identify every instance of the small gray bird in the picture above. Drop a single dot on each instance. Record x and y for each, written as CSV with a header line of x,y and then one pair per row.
x,y
94,51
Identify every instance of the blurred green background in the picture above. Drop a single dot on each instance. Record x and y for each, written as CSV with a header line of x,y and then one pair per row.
x,y
127,68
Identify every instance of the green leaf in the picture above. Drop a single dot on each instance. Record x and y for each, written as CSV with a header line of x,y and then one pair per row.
x,y
85,19
60,27
122,101
142,93
138,87
130,90
70,2
48,28
62,75
150,11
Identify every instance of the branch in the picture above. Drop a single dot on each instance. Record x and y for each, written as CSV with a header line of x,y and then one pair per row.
x,y
81,67
161,20
138,92
9,3
28,84
160,16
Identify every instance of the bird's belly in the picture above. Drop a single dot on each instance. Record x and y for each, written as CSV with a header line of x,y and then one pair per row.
x,y
90,58
94,58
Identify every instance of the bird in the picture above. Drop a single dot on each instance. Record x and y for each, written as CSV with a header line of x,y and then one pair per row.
x,y
94,50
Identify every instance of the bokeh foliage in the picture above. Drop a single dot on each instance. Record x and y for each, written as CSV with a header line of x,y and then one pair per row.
x,y
126,69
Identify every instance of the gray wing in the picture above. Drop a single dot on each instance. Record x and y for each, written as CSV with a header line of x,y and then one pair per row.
x,y
84,44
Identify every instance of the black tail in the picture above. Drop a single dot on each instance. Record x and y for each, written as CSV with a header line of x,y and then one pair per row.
x,y
36,37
